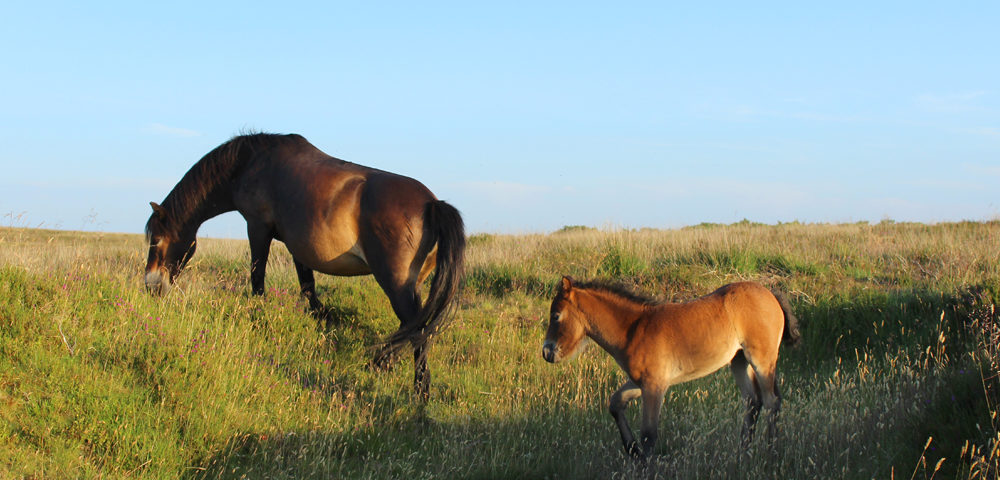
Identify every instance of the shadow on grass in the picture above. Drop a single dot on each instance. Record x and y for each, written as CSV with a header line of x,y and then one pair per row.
x,y
849,428
885,322
419,447
832,434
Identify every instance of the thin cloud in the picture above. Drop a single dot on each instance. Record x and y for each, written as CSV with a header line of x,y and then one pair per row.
x,y
102,183
746,112
982,170
166,130
504,190
986,131
952,102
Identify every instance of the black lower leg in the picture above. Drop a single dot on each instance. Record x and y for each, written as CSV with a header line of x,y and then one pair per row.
x,y
749,423
307,285
421,375
260,246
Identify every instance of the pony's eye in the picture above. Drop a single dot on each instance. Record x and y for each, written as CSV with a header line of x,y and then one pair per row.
x,y
555,317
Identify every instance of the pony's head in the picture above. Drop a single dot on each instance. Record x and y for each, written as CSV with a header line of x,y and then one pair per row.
x,y
567,331
170,248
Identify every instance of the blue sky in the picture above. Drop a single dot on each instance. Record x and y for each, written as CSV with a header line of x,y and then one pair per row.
x,y
526,116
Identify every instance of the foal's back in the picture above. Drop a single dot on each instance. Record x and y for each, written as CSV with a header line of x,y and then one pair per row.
x,y
695,338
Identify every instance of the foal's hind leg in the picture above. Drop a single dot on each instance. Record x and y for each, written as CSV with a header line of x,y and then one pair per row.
x,y
768,383
746,379
762,369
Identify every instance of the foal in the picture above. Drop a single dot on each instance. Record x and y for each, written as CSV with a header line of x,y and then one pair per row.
x,y
662,344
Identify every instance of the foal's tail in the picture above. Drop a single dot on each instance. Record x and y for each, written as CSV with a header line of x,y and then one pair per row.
x,y
443,222
791,334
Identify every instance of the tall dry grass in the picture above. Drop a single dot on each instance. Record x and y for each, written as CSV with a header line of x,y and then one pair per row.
x,y
97,379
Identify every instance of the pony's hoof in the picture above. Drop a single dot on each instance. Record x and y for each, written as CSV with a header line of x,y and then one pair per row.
x,y
384,361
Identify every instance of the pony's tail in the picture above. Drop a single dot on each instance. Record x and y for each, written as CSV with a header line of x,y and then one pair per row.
x,y
444,222
791,335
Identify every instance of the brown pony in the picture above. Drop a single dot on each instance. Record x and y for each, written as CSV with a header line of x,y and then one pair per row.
x,y
334,216
662,344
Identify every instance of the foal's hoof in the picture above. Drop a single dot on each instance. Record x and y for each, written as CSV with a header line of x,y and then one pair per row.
x,y
635,451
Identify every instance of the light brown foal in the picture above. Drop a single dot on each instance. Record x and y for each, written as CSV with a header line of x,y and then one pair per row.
x,y
663,344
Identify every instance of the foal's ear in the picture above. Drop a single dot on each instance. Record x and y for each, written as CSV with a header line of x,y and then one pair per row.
x,y
567,283
158,210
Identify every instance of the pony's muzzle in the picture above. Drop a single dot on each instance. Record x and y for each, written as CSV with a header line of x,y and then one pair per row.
x,y
156,283
549,351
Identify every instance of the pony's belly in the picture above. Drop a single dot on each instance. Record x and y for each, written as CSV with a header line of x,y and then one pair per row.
x,y
330,259
345,265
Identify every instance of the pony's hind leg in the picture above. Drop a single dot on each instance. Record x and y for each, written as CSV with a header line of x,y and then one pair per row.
x,y
408,310
746,379
421,375
619,401
405,303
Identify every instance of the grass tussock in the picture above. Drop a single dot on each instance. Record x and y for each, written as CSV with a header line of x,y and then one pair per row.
x,y
896,376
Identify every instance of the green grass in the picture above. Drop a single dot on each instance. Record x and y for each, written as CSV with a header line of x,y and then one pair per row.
x,y
100,380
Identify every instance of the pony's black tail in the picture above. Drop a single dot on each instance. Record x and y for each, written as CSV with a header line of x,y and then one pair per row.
x,y
791,335
444,222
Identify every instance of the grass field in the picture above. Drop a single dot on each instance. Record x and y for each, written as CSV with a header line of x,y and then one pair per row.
x,y
896,376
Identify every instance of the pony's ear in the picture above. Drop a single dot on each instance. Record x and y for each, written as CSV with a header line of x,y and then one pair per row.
x,y
158,210
567,283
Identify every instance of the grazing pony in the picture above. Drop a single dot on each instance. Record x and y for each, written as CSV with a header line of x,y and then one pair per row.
x,y
334,216
663,344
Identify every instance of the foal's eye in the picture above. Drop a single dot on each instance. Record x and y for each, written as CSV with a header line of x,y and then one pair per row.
x,y
555,317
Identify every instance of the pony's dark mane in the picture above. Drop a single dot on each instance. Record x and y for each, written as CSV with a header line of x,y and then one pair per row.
x,y
216,167
618,290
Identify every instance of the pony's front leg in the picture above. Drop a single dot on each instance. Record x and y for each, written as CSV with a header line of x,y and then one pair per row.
x,y
307,285
652,400
619,401
260,246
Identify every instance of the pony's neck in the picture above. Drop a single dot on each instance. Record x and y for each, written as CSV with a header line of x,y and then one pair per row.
x,y
609,317
206,189
189,218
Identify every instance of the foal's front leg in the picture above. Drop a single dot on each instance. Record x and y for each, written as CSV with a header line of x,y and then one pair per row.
x,y
619,401
652,400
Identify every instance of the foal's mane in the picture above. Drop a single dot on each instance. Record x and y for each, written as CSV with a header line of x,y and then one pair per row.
x,y
215,168
618,290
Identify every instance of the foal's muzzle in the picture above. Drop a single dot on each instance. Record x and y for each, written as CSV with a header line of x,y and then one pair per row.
x,y
549,351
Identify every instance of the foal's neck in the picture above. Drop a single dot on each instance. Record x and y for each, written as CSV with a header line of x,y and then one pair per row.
x,y
609,317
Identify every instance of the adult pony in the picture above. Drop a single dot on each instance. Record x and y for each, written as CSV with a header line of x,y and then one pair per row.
x,y
662,344
334,216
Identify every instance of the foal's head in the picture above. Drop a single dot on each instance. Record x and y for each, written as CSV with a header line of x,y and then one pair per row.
x,y
566,333
169,250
